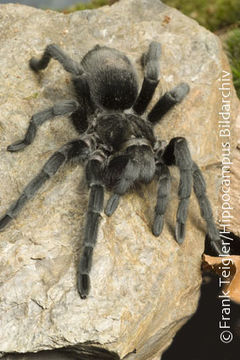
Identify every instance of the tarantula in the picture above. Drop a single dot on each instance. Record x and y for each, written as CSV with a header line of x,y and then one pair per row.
x,y
117,145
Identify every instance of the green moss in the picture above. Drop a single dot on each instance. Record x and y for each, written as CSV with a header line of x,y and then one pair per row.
x,y
217,15
212,14
32,96
91,5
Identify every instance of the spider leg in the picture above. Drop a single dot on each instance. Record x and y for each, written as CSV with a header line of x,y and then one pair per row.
x,y
122,172
54,51
86,106
164,185
167,101
136,164
62,108
112,204
177,153
77,148
150,62
93,217
199,187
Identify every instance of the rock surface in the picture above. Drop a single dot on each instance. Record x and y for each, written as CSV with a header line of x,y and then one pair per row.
x,y
143,288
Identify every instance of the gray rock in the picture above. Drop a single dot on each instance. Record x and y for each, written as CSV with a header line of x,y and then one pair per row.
x,y
143,288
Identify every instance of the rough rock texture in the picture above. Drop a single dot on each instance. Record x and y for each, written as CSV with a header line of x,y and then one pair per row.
x,y
143,288
235,179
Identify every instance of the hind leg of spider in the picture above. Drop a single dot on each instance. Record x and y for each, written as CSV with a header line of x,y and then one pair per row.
x,y
177,153
66,107
135,165
54,51
199,187
78,148
164,185
167,101
93,217
150,62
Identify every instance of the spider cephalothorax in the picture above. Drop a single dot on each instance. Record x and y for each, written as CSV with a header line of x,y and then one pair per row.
x,y
116,144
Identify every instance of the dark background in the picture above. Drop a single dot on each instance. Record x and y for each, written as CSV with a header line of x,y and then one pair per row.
x,y
199,338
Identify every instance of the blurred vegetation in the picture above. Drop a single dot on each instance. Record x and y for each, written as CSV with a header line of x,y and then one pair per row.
x,y
90,5
212,14
219,16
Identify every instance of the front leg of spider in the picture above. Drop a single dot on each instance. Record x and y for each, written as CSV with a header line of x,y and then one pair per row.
x,y
125,169
135,165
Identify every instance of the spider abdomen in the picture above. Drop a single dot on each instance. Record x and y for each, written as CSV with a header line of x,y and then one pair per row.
x,y
112,78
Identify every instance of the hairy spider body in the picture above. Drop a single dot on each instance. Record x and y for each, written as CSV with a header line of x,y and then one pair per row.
x,y
116,143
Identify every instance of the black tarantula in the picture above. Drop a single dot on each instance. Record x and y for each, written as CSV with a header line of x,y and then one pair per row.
x,y
117,144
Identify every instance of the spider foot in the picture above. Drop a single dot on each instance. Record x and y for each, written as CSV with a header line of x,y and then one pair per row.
x,y
214,239
179,92
4,220
83,285
180,232
167,101
17,146
34,64
158,225
112,204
